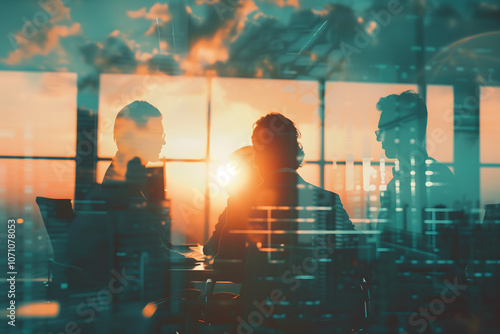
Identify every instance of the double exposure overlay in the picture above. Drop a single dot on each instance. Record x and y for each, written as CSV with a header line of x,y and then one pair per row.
x,y
250,166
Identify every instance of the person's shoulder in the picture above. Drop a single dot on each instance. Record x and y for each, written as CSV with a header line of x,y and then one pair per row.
x,y
440,170
321,193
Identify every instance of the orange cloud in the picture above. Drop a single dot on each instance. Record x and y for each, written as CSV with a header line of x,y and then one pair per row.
x,y
210,2
242,17
39,45
135,14
158,10
210,50
284,3
61,14
42,40
207,52
142,56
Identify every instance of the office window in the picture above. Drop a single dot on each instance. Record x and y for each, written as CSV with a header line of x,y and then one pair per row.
x,y
359,189
24,179
181,100
351,118
238,103
489,137
38,113
39,124
490,185
186,189
489,125
440,123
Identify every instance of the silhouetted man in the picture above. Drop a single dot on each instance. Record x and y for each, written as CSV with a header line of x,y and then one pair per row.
x,y
291,229
419,181
139,136
244,175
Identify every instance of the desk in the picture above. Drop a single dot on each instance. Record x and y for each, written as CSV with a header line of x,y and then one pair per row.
x,y
200,271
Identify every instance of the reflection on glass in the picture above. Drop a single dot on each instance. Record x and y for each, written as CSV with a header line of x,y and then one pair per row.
x,y
351,119
440,122
186,189
489,124
24,179
38,114
359,188
238,103
182,102
490,186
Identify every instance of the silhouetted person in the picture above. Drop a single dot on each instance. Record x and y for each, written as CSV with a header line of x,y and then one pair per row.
x,y
139,136
279,225
419,181
244,175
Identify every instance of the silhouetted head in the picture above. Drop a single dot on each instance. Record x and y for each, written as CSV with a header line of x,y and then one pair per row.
x,y
242,171
276,144
138,131
402,125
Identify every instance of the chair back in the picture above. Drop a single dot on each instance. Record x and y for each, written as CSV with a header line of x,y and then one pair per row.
x,y
57,215
492,214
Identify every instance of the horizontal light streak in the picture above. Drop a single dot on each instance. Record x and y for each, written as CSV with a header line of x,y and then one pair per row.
x,y
306,208
274,220
301,232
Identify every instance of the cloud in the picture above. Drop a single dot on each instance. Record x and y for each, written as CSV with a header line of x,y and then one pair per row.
x,y
158,10
285,3
211,40
44,42
36,38
114,55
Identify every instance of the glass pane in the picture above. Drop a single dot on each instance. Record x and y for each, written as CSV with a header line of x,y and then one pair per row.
x,y
489,124
25,179
181,100
38,114
238,103
310,173
186,190
359,189
218,195
351,118
102,167
217,183
490,184
440,123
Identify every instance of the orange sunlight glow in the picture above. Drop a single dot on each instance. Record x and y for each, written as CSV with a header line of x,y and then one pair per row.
x,y
181,100
48,309
149,310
